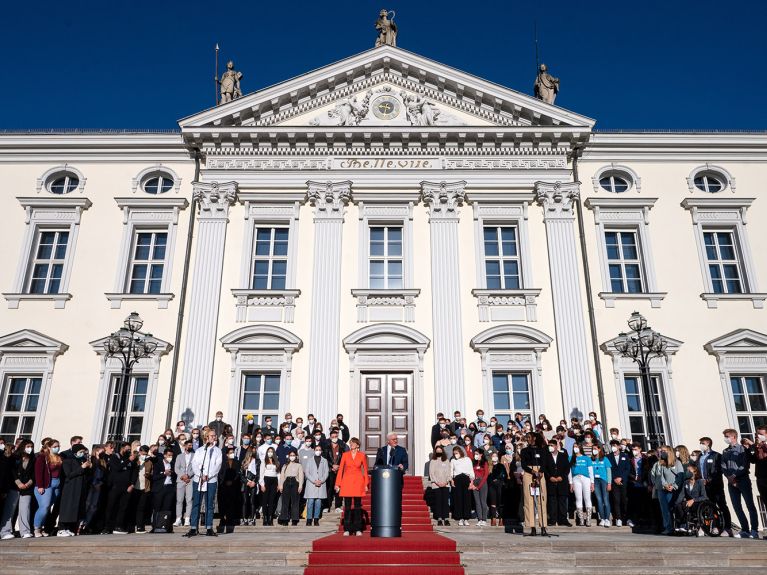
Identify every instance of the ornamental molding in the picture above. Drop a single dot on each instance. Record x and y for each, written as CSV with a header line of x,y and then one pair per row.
x,y
496,358
488,299
557,199
718,209
214,199
402,302
151,209
329,199
443,199
62,169
729,180
157,169
250,298
621,209
632,178
54,208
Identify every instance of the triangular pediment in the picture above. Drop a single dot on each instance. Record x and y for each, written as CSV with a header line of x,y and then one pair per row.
x,y
29,341
385,86
741,340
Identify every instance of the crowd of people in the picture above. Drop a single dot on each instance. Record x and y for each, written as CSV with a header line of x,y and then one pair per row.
x,y
537,475
524,474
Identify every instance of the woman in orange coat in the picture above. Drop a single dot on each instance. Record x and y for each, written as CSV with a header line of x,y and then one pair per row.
x,y
352,484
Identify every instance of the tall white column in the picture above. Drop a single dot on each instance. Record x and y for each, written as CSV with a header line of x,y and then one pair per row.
x,y
557,200
329,200
213,201
443,200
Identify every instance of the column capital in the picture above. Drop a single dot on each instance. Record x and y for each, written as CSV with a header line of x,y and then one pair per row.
x,y
329,198
214,199
556,199
443,198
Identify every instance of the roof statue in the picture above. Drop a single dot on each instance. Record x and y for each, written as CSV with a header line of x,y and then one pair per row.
x,y
230,84
387,29
546,86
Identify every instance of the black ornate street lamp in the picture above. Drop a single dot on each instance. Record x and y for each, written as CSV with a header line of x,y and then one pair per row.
x,y
643,345
128,345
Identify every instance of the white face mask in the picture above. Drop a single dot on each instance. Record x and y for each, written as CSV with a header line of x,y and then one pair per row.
x,y
28,450
594,452
614,436
762,437
334,439
677,454
230,455
477,456
693,458
576,449
637,453
615,449
703,447
55,450
551,449
292,457
219,418
2,446
318,452
169,459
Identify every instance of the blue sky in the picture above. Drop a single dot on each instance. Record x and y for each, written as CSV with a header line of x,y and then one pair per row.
x,y
673,64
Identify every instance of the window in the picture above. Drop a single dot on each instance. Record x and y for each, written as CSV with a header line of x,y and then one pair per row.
x,y
511,394
19,407
136,406
748,393
502,268
158,184
47,266
63,184
723,262
270,258
614,183
708,182
260,397
385,261
638,418
623,261
147,262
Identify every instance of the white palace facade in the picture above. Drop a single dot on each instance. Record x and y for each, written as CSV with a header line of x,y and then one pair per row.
x,y
385,237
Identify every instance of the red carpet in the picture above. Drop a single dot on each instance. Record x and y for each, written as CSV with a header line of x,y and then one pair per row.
x,y
365,555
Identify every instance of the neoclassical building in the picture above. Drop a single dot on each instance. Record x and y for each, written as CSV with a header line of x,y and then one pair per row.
x,y
385,237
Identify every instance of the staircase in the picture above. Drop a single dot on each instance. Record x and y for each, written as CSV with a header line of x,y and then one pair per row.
x,y
419,551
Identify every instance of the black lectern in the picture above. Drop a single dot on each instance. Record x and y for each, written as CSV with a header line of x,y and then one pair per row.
x,y
386,502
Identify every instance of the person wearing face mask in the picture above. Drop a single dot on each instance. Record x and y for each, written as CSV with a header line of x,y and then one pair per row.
x,y
582,484
142,487
311,422
181,427
638,487
266,445
288,422
306,452
557,468
47,483
206,464
344,432
621,470
602,484
710,465
439,476
290,485
316,471
478,487
268,482
19,495
666,476
496,481
436,429
229,492
122,470
218,425
736,469
596,427
197,441
480,436
163,487
183,469
757,455
334,450
513,503
282,449
462,473
251,465
534,483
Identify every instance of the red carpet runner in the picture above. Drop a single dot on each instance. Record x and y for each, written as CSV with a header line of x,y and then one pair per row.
x,y
419,551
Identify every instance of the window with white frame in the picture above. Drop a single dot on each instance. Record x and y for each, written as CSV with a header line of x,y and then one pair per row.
x,y
20,402
147,263
136,406
260,397
750,398
501,252
270,258
639,415
723,261
385,263
158,183
624,261
46,266
511,394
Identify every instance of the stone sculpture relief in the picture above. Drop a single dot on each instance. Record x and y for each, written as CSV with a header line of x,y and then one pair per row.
x,y
420,112
387,29
546,86
230,84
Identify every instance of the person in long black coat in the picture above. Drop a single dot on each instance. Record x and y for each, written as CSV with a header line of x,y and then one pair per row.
x,y
77,471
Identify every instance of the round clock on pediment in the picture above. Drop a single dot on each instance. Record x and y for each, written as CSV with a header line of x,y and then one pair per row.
x,y
386,107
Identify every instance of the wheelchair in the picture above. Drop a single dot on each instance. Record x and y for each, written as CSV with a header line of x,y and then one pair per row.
x,y
705,517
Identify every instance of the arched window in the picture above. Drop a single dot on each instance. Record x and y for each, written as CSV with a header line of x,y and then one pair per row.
x,y
614,183
710,179
709,182
61,180
158,183
616,179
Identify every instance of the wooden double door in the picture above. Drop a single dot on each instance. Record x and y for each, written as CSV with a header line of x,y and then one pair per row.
x,y
387,407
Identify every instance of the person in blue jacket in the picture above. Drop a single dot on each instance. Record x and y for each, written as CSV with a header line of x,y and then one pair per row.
x,y
602,484
621,471
581,484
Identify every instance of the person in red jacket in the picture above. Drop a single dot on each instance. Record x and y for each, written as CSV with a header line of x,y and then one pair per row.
x,y
47,483
352,484
479,487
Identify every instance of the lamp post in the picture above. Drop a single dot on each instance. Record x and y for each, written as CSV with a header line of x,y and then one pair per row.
x,y
643,345
128,345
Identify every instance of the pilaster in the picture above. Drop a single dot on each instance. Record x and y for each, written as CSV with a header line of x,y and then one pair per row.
x,y
558,202
329,200
443,200
213,202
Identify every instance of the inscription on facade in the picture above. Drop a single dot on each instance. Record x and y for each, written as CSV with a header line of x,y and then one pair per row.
x,y
384,163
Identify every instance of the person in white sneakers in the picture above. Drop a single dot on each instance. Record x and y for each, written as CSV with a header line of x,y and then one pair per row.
x,y
463,475
184,473
20,493
77,474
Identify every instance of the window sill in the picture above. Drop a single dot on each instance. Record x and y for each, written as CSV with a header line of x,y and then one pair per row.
x,y
385,304
162,299
507,304
59,299
712,299
266,304
654,297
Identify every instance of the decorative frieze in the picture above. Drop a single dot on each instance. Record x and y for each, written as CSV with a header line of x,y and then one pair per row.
x,y
506,305
265,305
386,305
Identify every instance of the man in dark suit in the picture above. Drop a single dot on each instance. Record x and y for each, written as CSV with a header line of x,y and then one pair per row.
x,y
163,485
557,470
620,472
436,429
268,427
392,454
309,429
343,429
710,465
